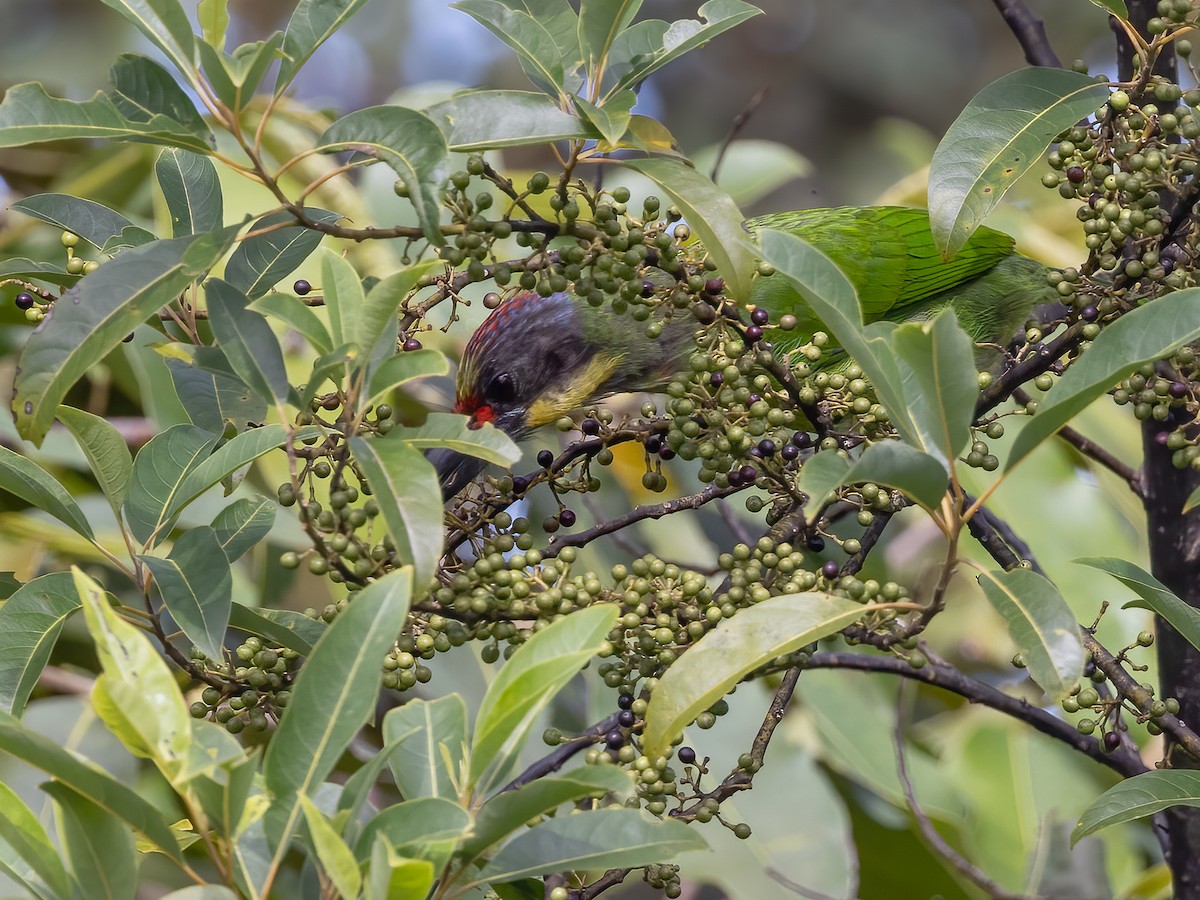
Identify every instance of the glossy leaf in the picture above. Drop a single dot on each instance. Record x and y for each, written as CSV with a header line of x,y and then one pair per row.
x,y
260,262
212,400
1001,134
97,845
403,368
1137,797
611,119
889,463
1152,595
196,587
737,646
432,746
410,144
24,478
193,193
144,90
1042,626
486,120
1115,7
509,811
235,76
93,222
247,340
600,21
166,25
593,839
337,860
332,698
213,16
106,451
527,682
713,216
561,21
429,828
311,24
525,36
385,297
406,488
242,524
88,780
160,471
30,623
343,298
1150,332
92,318
450,430
26,854
293,313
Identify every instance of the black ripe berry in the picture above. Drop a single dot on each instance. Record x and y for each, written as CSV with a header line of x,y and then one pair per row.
x,y
625,701
801,440
1090,314
302,287
789,451
830,569
25,300
615,740
566,518
760,316
1112,740
545,458
412,344
589,426
754,333
687,755
766,447
520,484
816,543
626,718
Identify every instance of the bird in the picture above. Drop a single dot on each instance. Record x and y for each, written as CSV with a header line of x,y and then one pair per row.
x,y
535,359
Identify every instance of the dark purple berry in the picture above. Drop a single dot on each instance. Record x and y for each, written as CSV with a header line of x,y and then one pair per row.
x,y
625,701
520,484
714,285
545,458
590,426
747,474
830,569
647,288
767,447
412,344
1178,389
302,287
686,755
615,740
1090,314
754,333
754,398
760,316
653,444
755,453
1075,174
666,453
801,440
626,718
716,379
1112,740
566,518
1161,438
25,300
816,543
789,451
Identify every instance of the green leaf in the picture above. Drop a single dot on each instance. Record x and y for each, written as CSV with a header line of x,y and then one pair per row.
x,y
450,430
212,400
509,811
93,222
391,875
403,368
428,828
106,451
525,36
90,781
1153,595
412,146
92,318
297,316
202,892
36,270
1137,797
97,845
431,747
487,120
711,214
893,464
385,298
235,76
247,340
941,382
30,622
1115,7
526,684
406,488
593,839
192,190
344,298
1001,134
242,524
752,170
166,25
654,47
26,854
311,24
612,118
160,471
357,789
1042,626
24,478
196,587
259,263
335,367
213,16
28,115
833,298
561,21
333,697
600,21
1150,332
292,629
144,90
337,860
737,646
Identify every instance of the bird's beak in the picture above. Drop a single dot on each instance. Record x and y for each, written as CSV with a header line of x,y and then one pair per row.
x,y
455,470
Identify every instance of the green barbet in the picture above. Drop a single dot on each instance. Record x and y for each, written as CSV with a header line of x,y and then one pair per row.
x,y
535,358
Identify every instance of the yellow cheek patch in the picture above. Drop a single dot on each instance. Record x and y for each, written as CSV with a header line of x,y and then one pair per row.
x,y
555,404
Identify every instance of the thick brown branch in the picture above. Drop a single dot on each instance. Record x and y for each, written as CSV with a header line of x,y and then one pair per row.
x,y
1029,31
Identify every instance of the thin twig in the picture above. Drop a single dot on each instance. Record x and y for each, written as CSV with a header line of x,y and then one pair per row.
x,y
1030,33
556,759
735,128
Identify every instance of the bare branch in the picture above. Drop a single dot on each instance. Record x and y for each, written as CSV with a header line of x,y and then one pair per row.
x,y
1030,33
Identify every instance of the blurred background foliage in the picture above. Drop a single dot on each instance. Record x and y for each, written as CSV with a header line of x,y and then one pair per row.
x,y
844,101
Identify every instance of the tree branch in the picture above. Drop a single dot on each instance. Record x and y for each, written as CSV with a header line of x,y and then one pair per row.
x,y
1029,31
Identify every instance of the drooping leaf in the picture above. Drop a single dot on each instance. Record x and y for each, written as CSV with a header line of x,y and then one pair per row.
x,y
1137,797
432,745
311,24
1001,134
106,451
262,261
92,318
98,845
406,488
159,472
93,222
242,524
485,120
713,216
525,36
410,143
889,463
1042,626
166,25
737,646
1152,595
144,90
24,478
332,698
247,340
30,622
196,587
337,860
403,368
1145,334
26,854
529,680
450,430
192,191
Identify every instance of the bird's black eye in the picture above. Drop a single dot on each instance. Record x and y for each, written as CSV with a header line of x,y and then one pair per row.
x,y
502,388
